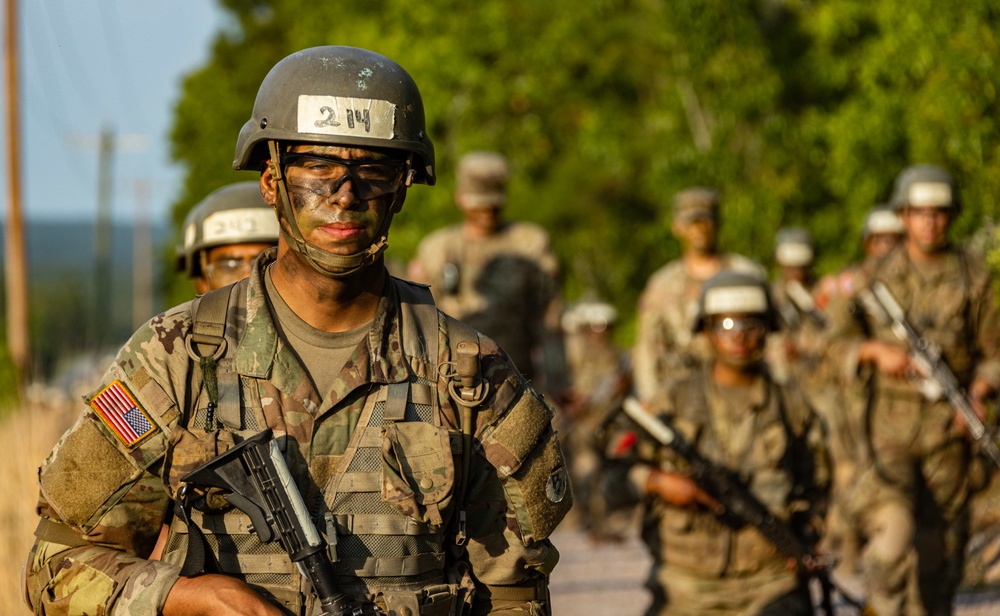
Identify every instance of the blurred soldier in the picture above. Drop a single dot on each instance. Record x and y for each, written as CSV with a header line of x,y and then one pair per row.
x,y
843,399
881,232
600,380
911,496
764,432
795,351
664,344
223,234
425,506
500,277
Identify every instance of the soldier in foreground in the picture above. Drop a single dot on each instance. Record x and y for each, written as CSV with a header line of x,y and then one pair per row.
x,y
911,497
762,432
499,276
223,234
405,452
664,345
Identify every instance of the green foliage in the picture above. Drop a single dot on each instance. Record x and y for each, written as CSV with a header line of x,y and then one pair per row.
x,y
799,112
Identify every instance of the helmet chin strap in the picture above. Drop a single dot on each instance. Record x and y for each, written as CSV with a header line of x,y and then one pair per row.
x,y
326,263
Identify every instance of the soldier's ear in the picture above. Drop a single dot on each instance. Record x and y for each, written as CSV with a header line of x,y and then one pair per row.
x,y
268,185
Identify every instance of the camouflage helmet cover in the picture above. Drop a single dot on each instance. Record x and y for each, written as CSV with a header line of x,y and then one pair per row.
x,y
340,96
696,202
925,186
482,179
590,313
793,247
882,219
730,292
233,214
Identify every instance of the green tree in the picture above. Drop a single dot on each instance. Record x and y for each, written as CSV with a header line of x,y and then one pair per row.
x,y
799,112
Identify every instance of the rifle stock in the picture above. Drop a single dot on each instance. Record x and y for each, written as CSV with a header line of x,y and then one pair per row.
x,y
259,484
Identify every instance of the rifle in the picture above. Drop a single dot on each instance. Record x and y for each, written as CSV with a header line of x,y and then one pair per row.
x,y
803,300
743,506
260,485
936,380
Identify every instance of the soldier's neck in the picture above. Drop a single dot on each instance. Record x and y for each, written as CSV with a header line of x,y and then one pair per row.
x,y
328,304
924,257
702,265
734,376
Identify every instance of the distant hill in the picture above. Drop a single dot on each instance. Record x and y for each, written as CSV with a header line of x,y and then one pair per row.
x,y
68,314
69,246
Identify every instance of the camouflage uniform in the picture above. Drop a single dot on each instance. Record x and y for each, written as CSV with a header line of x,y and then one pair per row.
x,y
103,502
504,285
921,460
664,343
770,436
600,379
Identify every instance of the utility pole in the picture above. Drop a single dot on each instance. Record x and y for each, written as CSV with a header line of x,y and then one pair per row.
x,y
104,299
108,143
142,257
16,269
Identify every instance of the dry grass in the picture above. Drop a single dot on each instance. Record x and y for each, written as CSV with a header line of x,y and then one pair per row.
x,y
26,437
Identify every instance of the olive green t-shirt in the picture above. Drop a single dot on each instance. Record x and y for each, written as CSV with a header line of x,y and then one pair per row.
x,y
323,354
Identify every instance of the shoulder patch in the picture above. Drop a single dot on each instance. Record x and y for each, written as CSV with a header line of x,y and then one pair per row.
x,y
118,409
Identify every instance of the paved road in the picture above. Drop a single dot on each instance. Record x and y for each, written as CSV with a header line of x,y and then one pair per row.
x,y
606,579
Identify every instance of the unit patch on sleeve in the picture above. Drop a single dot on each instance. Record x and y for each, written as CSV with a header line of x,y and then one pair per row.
x,y
120,412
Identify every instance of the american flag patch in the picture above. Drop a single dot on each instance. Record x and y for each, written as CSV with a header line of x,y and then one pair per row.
x,y
119,410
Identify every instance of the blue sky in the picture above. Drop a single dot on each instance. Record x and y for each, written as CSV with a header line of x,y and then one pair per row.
x,y
88,64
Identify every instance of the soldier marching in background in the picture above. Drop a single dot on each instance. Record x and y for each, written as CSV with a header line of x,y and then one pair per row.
x,y
600,380
911,497
501,277
223,234
794,352
843,398
764,433
664,345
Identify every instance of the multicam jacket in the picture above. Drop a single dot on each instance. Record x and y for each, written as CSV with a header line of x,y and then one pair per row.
x,y
506,286
773,442
383,479
954,307
665,345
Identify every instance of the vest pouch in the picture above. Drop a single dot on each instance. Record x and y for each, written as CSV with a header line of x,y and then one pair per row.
x,y
186,452
694,541
435,600
418,472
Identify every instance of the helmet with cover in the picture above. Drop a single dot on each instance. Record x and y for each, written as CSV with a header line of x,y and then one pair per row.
x,y
882,220
698,202
925,186
482,179
589,313
343,96
730,292
233,214
793,247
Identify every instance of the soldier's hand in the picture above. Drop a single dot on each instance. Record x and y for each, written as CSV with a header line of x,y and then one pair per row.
x,y
681,491
890,359
979,392
216,595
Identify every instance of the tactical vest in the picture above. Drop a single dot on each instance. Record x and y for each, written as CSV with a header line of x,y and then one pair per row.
x,y
396,561
698,541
